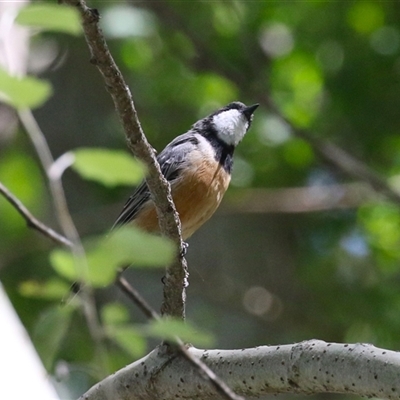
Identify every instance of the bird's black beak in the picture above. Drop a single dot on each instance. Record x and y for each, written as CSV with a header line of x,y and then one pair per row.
x,y
248,111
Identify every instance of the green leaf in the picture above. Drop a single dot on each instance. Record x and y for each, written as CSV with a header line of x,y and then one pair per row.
x,y
109,167
365,17
21,174
51,17
25,92
131,245
129,339
115,317
63,263
53,289
50,331
114,314
169,329
104,255
298,152
214,86
381,222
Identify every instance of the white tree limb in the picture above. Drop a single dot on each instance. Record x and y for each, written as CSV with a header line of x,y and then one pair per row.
x,y
22,374
308,367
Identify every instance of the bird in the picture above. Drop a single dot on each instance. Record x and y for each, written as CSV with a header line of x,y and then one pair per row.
x,y
198,166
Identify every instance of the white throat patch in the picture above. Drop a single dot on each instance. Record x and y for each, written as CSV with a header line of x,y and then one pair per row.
x,y
231,126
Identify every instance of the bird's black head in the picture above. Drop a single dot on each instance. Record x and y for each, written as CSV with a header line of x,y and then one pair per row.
x,y
230,123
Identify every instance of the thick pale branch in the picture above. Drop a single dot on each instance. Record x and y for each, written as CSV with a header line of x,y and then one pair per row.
x,y
219,385
308,367
175,280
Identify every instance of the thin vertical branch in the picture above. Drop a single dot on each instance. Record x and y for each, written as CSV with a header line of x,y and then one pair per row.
x,y
57,192
176,274
67,225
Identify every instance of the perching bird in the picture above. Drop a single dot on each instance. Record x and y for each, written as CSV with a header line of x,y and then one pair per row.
x,y
198,166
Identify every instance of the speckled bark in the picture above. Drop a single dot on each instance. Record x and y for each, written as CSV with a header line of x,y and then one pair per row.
x,y
309,367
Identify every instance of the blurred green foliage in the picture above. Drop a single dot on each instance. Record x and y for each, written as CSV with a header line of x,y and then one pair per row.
x,y
126,246
23,92
332,68
50,17
21,174
108,167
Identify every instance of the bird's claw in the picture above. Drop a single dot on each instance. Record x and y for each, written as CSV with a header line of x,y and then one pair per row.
x,y
184,249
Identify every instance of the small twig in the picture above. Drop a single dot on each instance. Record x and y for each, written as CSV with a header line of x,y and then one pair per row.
x,y
176,274
338,157
135,296
220,386
31,221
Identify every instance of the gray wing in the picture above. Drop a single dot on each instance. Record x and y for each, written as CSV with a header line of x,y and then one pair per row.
x,y
171,160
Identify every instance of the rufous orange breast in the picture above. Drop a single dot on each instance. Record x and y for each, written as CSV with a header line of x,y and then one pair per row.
x,y
197,193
